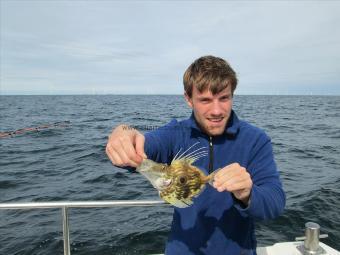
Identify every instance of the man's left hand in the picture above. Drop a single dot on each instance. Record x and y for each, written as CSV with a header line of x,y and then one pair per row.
x,y
235,179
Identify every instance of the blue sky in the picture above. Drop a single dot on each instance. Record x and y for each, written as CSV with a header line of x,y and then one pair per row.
x,y
144,47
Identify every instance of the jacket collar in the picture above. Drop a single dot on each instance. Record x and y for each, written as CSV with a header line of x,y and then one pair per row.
x,y
232,127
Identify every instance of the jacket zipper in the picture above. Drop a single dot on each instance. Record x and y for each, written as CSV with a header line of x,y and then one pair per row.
x,y
211,155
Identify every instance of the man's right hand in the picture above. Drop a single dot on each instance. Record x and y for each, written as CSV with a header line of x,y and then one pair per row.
x,y
125,147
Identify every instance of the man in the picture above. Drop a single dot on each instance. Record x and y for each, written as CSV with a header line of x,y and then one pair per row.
x,y
247,186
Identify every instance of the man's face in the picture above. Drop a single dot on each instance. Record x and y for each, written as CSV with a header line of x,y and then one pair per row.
x,y
211,111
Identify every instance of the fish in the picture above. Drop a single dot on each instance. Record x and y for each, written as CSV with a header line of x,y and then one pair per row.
x,y
180,182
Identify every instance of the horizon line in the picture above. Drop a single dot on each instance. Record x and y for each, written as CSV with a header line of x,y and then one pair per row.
x,y
161,94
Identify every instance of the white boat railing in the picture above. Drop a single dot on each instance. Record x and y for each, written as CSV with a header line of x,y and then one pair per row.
x,y
65,205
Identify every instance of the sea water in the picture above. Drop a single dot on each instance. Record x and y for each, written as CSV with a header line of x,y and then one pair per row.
x,y
69,163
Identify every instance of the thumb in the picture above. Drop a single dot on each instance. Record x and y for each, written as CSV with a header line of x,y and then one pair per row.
x,y
140,140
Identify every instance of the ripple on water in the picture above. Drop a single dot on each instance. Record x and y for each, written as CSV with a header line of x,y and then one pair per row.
x,y
70,164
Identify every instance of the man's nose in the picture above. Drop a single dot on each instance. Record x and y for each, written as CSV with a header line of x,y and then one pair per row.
x,y
216,108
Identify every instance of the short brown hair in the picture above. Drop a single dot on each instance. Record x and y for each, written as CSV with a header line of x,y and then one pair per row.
x,y
209,72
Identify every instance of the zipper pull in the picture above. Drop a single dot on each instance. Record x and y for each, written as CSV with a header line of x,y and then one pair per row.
x,y
211,155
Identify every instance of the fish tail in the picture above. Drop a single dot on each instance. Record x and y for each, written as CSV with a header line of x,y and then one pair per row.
x,y
210,177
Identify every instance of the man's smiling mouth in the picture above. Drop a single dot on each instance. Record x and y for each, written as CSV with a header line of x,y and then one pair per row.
x,y
216,120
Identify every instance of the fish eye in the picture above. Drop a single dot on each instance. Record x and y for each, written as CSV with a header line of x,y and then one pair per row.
x,y
182,179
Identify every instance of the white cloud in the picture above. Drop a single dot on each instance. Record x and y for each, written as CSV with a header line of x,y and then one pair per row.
x,y
144,47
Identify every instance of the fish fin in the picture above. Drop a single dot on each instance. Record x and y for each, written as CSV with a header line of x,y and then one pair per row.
x,y
182,203
171,199
189,160
211,176
191,156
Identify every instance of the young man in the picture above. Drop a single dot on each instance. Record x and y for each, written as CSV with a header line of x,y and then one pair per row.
x,y
247,187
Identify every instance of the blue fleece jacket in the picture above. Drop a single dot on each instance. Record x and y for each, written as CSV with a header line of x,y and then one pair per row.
x,y
217,223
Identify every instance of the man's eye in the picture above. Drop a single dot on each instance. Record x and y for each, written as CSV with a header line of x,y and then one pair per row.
x,y
204,100
226,98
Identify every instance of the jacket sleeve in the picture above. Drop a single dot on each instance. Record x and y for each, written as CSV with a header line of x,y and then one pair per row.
x,y
267,199
159,143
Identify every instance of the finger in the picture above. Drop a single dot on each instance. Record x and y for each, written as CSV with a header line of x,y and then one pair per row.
x,y
230,175
140,140
116,154
237,186
226,181
118,161
227,170
114,158
127,153
240,184
124,160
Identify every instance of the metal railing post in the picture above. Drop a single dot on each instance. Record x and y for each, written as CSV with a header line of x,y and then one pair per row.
x,y
66,231
65,205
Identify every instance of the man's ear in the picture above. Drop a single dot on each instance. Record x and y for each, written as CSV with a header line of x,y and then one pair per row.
x,y
188,100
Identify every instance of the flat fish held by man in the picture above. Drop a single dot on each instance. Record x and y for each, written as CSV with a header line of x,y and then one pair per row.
x,y
179,182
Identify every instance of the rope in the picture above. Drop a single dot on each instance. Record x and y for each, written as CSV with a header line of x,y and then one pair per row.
x,y
8,134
